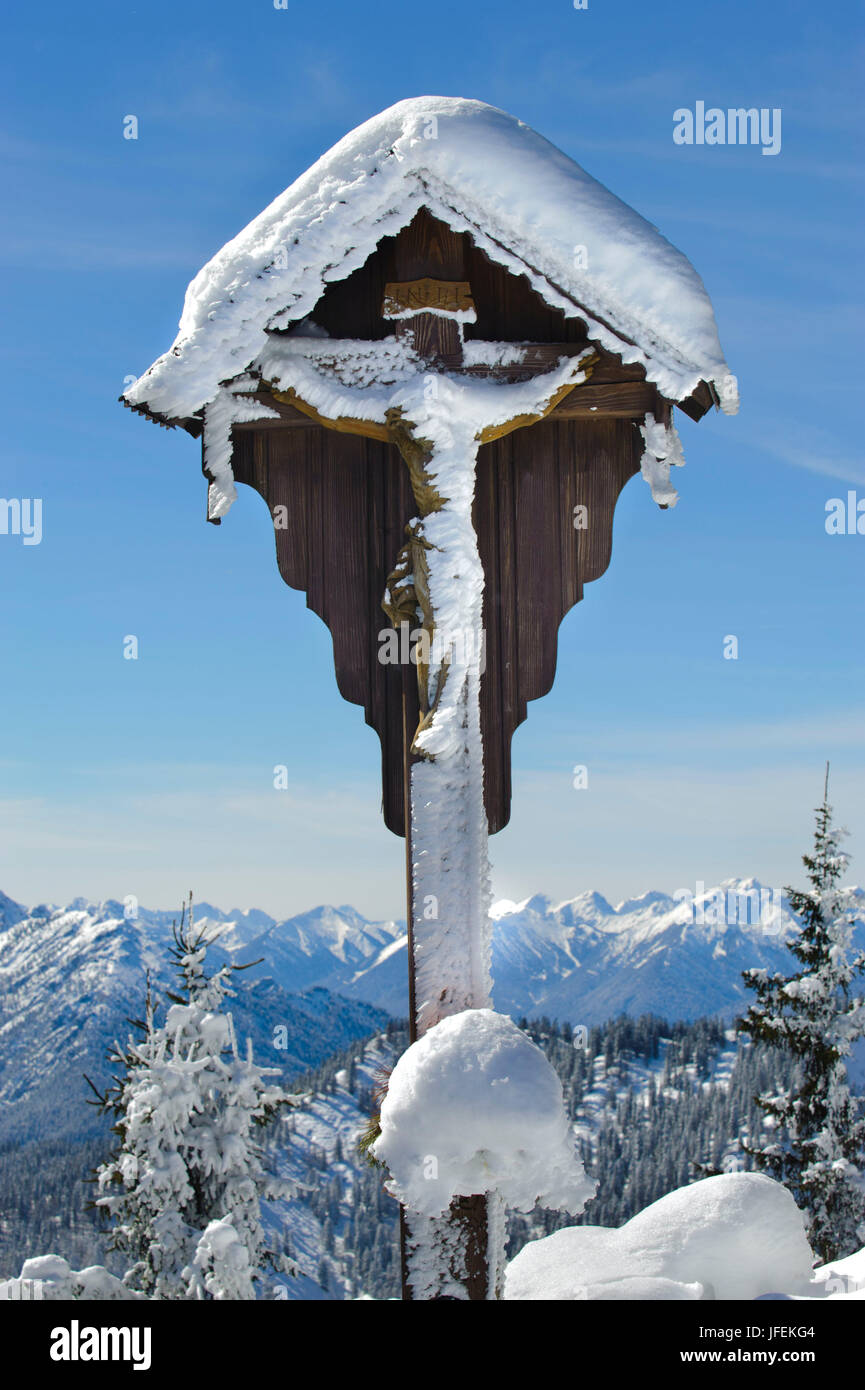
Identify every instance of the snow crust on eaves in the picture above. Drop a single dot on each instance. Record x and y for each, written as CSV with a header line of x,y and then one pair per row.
x,y
526,204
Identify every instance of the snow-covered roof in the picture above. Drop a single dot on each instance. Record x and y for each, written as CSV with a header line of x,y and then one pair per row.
x,y
527,205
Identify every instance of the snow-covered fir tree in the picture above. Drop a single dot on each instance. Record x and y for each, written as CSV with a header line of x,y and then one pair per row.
x,y
185,1182
818,1127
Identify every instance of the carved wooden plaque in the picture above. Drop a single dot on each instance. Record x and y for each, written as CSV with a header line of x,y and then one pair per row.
x,y
413,296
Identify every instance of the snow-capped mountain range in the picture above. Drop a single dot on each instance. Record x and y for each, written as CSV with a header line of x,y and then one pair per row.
x,y
582,960
71,976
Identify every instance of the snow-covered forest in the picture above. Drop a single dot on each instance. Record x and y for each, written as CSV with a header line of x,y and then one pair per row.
x,y
222,1184
651,1101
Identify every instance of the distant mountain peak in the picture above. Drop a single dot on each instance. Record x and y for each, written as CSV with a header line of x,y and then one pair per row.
x,y
10,911
652,899
580,960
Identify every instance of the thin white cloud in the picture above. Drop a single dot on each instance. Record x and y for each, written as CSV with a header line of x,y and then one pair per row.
x,y
648,827
281,850
824,458
698,803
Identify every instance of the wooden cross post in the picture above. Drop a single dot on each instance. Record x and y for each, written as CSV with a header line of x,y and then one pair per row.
x,y
425,301
429,265
339,382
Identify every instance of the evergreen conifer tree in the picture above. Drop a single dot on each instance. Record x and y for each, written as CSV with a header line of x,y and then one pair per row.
x,y
818,1127
185,1182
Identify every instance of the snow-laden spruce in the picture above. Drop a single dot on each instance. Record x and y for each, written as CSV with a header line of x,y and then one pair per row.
x,y
185,1183
474,1106
735,1236
815,1133
527,205
222,1267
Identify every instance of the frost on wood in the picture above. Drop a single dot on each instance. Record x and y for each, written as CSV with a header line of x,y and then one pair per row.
x,y
527,205
663,451
735,1236
451,939
226,409
451,873
474,1106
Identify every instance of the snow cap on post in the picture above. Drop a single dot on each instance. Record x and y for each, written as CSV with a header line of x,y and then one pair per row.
x,y
474,1106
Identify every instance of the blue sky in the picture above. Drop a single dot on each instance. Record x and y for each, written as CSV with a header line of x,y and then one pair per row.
x,y
154,776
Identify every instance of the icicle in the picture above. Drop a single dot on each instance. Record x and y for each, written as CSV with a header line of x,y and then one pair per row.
x,y
663,451
496,1240
226,409
728,394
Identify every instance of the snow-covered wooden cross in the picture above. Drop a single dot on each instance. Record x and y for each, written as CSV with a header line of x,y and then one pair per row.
x,y
439,356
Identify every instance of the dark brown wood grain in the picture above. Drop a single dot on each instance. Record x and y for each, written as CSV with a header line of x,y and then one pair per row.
x,y
428,248
347,500
619,400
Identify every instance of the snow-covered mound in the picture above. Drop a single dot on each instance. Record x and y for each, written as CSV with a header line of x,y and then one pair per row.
x,y
49,1278
735,1236
841,1279
527,205
640,1288
474,1106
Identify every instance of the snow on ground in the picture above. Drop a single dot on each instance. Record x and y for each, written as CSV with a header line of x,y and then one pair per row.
x,y
841,1279
329,1116
735,1236
325,1124
49,1278
337,1117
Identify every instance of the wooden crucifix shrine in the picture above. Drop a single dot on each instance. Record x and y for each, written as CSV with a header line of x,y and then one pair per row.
x,y
440,413
346,507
